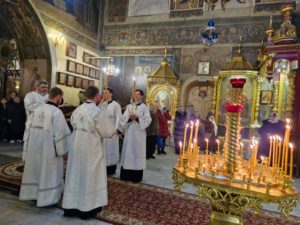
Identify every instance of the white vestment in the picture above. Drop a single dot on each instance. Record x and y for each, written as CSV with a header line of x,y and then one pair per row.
x,y
111,145
47,138
86,180
32,100
134,145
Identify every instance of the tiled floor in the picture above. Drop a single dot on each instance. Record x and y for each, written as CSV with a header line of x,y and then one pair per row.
x,y
158,173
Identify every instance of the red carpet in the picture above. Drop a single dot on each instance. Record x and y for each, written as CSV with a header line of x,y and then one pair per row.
x,y
134,204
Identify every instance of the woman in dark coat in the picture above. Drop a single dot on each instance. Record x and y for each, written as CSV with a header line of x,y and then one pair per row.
x,y
16,118
180,118
270,127
163,116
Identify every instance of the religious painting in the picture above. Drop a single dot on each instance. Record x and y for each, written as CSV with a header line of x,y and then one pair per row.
x,y
86,58
93,61
117,10
266,97
200,97
71,66
185,5
70,80
71,50
98,63
97,76
91,82
162,98
86,70
141,67
77,82
61,78
84,84
203,68
79,68
92,73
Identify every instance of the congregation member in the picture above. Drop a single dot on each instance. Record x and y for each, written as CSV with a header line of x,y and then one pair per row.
x,y
134,121
35,98
85,190
152,133
180,119
211,131
163,116
270,127
46,141
111,145
16,118
3,120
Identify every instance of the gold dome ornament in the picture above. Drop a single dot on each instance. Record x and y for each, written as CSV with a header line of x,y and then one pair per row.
x,y
287,31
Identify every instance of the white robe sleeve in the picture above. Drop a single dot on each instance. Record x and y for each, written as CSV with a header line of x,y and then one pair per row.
x,y
144,118
125,118
61,133
104,126
118,116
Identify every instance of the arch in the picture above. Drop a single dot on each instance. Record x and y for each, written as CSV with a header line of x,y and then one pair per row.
x,y
27,29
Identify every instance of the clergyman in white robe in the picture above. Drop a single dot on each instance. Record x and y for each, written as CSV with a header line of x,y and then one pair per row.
x,y
133,159
46,140
111,145
35,98
86,180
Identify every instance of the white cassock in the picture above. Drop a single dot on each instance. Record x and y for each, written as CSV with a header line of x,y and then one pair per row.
x,y
134,145
86,180
47,138
32,100
111,145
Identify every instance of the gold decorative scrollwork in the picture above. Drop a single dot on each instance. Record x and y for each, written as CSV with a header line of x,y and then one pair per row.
x,y
178,181
286,206
229,203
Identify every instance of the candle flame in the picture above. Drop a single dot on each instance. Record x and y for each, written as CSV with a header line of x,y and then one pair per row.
x,y
192,145
187,125
195,140
192,123
262,158
217,141
133,78
271,138
180,144
291,146
251,146
197,122
206,139
287,121
287,127
241,144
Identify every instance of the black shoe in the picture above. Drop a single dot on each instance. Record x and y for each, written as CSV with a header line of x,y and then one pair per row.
x,y
163,152
152,157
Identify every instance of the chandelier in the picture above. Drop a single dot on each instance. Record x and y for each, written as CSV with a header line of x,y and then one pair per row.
x,y
210,36
111,69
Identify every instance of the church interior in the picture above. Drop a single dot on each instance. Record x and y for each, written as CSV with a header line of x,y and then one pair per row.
x,y
234,60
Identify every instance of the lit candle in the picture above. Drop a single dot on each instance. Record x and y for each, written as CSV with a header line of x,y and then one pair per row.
x,y
286,145
261,166
276,152
218,143
273,151
242,148
180,146
270,149
279,152
206,150
196,132
291,161
191,136
184,138
195,151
